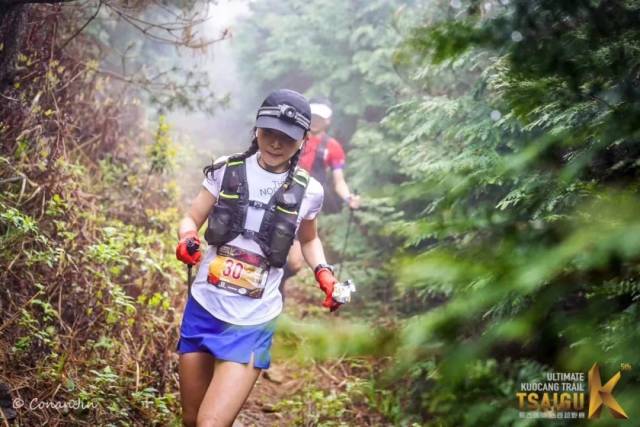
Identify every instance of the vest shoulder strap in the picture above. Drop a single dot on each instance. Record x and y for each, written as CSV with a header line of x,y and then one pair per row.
x,y
292,197
318,170
234,181
301,177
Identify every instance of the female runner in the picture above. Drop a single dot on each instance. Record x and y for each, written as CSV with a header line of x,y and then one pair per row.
x,y
255,202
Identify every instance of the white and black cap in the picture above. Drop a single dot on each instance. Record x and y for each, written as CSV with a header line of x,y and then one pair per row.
x,y
287,111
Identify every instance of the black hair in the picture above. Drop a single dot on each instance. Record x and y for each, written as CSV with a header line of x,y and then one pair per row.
x,y
253,148
292,168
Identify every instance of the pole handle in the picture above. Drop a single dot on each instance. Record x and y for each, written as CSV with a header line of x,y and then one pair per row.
x,y
192,246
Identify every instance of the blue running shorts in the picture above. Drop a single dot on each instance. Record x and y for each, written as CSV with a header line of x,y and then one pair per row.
x,y
202,332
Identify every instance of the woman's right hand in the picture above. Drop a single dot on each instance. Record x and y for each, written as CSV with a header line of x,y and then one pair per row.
x,y
187,250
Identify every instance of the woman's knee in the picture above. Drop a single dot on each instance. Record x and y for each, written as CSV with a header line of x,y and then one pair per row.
x,y
195,371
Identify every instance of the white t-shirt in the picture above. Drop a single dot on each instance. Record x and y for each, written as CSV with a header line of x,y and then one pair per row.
x,y
239,309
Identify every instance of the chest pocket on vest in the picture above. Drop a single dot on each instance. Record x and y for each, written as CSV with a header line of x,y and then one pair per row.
x,y
226,219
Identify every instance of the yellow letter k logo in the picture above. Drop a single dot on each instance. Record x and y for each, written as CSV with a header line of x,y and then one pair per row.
x,y
601,395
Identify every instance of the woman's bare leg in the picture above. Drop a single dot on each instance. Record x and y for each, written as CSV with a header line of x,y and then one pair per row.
x,y
231,384
196,371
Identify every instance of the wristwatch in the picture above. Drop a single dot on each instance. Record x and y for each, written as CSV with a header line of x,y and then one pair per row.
x,y
321,266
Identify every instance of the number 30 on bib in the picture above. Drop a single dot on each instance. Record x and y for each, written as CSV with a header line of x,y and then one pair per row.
x,y
238,271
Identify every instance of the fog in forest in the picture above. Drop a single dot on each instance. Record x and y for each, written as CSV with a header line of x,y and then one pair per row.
x,y
203,136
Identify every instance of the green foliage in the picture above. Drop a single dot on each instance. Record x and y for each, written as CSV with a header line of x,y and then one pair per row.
x,y
317,407
341,50
90,281
520,231
162,152
16,223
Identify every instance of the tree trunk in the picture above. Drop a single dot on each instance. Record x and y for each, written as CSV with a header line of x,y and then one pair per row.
x,y
12,28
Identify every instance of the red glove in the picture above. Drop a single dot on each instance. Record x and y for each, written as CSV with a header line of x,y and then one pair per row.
x,y
187,250
326,281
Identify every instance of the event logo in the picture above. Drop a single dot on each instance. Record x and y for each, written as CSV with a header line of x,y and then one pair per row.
x,y
562,395
600,395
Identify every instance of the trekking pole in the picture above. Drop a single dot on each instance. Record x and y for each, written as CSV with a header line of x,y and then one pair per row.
x,y
346,238
192,248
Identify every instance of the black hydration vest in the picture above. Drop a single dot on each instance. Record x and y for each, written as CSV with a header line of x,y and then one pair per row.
x,y
278,226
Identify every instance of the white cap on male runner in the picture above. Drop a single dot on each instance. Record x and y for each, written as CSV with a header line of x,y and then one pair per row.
x,y
321,110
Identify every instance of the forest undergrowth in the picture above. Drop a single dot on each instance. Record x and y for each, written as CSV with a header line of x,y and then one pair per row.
x,y
302,389
87,216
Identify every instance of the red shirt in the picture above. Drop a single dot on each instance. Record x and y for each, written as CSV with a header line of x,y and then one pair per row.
x,y
334,157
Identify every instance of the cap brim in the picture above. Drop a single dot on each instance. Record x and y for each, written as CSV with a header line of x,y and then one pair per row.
x,y
290,129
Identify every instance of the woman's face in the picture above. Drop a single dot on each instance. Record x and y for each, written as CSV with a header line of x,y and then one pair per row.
x,y
276,149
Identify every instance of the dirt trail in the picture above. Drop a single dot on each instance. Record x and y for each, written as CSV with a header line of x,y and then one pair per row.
x,y
294,393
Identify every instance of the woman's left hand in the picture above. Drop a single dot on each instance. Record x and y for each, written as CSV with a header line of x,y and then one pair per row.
x,y
326,281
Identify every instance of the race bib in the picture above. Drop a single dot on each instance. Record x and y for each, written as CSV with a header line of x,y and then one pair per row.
x,y
239,271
